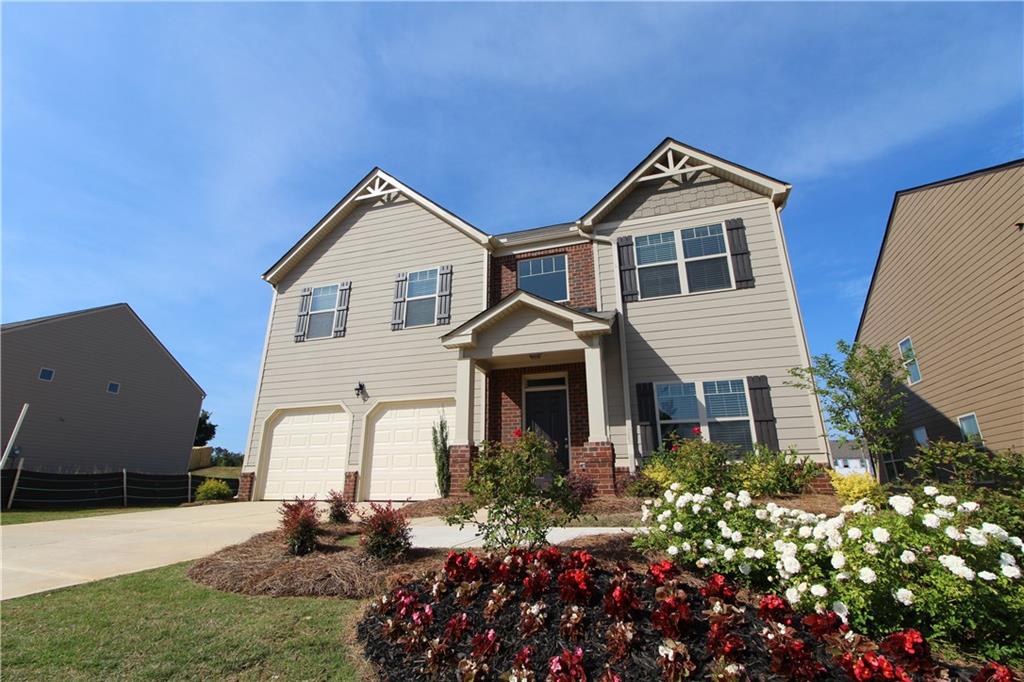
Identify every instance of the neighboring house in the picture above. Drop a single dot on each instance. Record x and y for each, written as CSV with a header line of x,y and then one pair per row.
x,y
947,296
848,459
668,306
104,394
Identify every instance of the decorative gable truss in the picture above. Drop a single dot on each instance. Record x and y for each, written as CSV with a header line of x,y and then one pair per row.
x,y
675,165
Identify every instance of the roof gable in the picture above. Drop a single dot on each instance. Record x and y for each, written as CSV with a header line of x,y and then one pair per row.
x,y
376,186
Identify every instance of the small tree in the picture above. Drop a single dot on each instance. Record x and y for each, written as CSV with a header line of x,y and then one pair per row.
x,y
205,430
441,459
862,395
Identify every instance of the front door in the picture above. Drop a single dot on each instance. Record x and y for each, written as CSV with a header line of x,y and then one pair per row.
x,y
547,413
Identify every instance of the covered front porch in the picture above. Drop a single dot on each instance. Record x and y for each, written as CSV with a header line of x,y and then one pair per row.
x,y
544,369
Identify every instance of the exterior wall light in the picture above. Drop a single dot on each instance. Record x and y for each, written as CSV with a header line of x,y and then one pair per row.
x,y
360,389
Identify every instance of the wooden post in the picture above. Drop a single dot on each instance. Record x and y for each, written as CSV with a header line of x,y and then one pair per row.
x,y
188,496
14,488
14,435
124,485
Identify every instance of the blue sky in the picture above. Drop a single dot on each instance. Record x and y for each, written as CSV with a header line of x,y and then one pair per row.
x,y
167,154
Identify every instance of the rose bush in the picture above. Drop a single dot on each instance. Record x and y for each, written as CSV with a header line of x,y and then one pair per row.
x,y
938,565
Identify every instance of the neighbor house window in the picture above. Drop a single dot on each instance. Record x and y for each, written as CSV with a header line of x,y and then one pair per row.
x,y
657,269
546,277
706,259
46,374
969,428
421,300
920,436
321,312
910,360
113,387
716,410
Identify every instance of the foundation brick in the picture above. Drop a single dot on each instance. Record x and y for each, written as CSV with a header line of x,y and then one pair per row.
x,y
245,481
351,485
460,462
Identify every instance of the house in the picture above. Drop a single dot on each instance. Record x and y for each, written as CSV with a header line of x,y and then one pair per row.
x,y
669,305
104,395
847,458
947,297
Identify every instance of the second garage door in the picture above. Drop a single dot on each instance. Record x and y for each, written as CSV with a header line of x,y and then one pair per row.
x,y
402,465
307,453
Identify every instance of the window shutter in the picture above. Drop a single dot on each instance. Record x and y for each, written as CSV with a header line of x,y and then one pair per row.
x,y
764,415
627,268
645,407
302,323
444,294
740,253
341,309
398,307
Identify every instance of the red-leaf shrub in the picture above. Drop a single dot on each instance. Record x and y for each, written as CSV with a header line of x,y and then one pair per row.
x,y
993,672
873,667
456,627
775,609
340,509
909,649
385,532
536,583
462,567
485,644
576,586
719,587
567,667
582,486
824,624
300,523
620,602
660,573
672,614
791,657
579,558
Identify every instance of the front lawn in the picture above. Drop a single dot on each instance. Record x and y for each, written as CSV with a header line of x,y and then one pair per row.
x,y
159,625
10,517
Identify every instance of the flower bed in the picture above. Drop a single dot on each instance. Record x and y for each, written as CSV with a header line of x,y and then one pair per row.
x,y
939,566
559,617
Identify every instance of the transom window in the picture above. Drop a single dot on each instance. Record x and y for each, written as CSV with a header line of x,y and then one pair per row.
x,y
706,259
910,361
969,427
421,298
321,312
704,265
46,374
713,410
113,387
657,270
546,277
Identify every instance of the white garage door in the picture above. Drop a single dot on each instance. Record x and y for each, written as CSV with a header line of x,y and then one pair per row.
x,y
308,448
403,466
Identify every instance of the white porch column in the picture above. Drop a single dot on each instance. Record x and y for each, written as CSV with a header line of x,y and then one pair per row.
x,y
598,421
464,399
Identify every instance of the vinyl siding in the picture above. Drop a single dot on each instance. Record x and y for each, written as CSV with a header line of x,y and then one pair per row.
x,y
728,334
73,424
951,276
523,332
369,246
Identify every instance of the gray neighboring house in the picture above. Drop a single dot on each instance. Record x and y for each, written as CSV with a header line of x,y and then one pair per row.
x,y
104,394
847,458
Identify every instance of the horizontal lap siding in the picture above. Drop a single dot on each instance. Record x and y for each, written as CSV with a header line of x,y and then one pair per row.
x,y
526,331
368,248
723,334
952,277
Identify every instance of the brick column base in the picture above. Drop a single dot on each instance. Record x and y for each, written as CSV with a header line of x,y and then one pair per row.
x,y
460,462
351,485
245,481
596,461
822,483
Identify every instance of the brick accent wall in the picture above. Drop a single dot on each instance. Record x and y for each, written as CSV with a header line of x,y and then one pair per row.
x,y
596,461
579,262
245,481
822,483
351,485
460,462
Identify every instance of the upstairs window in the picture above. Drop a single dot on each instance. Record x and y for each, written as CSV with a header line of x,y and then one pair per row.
x,y
421,300
546,277
46,374
910,361
321,312
706,259
657,267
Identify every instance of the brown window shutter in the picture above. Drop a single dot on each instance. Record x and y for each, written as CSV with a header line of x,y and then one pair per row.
x,y
302,323
740,253
444,295
398,306
764,415
341,309
645,407
627,268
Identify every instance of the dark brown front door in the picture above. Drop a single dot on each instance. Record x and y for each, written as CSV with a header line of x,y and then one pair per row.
x,y
547,413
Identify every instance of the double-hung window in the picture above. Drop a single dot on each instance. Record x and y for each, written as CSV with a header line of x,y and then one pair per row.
x,y
321,312
678,410
715,410
546,277
706,258
910,361
421,299
657,266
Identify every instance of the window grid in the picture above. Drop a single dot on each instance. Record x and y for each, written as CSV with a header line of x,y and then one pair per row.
x,y
421,286
909,358
729,398
544,266
664,248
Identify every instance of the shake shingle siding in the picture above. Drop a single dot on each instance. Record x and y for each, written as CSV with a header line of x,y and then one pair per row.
x,y
655,198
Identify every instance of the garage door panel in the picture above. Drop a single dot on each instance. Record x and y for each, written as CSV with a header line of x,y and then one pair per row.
x,y
307,454
402,460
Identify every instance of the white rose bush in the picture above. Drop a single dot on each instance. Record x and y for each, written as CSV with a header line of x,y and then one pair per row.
x,y
938,565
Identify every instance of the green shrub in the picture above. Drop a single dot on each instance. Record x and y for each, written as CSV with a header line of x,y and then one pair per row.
x,y
519,486
693,464
340,509
766,472
385,532
213,489
300,523
442,457
641,485
852,487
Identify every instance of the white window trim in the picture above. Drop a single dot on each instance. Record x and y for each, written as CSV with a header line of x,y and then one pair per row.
x,y
117,392
53,374
913,359
331,311
538,389
981,436
681,261
405,305
702,410
553,255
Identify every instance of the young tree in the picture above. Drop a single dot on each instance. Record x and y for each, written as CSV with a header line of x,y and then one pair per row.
x,y
441,458
862,393
205,430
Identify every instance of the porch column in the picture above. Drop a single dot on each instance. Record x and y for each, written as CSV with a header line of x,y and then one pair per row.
x,y
598,422
465,372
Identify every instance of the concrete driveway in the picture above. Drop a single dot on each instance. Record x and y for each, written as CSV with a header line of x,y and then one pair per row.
x,y
43,556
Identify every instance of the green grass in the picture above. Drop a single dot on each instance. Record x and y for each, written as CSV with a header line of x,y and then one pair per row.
x,y
218,472
158,625
13,516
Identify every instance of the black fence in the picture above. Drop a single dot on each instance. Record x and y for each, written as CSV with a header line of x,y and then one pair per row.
x,y
36,489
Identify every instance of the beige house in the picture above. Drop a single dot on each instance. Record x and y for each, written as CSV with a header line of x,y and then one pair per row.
x,y
667,306
104,395
947,296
